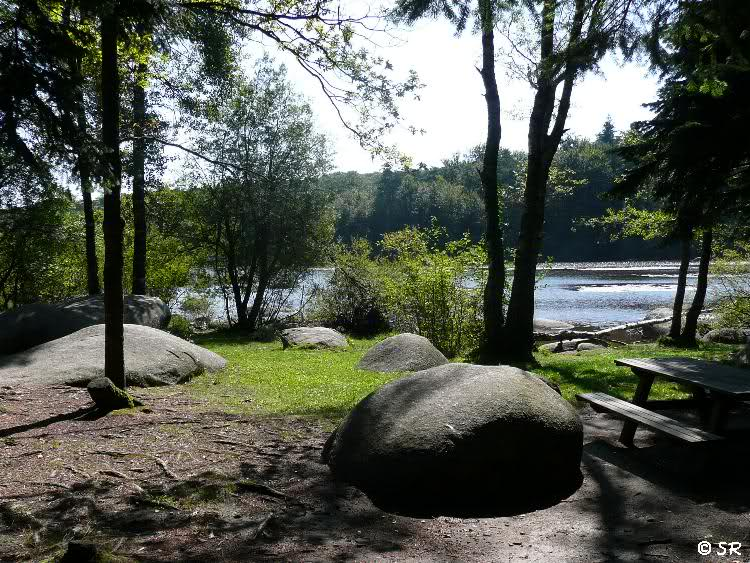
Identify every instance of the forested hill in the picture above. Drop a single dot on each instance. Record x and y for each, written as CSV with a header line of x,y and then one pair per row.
x,y
368,205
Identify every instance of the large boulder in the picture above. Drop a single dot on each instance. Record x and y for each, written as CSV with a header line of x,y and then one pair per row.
x,y
549,326
313,337
152,357
727,335
403,352
30,325
460,439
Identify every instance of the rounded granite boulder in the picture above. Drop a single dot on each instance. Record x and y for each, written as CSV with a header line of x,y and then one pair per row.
x,y
727,335
317,337
152,357
403,352
30,325
460,439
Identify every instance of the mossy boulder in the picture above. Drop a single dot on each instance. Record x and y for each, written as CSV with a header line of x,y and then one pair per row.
x,y
108,397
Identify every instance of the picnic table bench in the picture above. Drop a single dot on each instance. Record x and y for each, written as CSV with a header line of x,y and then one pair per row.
x,y
715,388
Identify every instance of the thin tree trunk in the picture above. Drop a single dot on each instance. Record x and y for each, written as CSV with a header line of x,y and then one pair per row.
x,y
679,296
699,300
92,261
240,304
255,310
84,169
114,361
518,343
84,173
139,183
493,291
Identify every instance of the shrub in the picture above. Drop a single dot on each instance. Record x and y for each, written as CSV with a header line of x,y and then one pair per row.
x,y
197,309
180,326
435,289
732,275
353,300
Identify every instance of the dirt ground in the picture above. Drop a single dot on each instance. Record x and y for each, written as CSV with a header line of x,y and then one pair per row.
x,y
176,483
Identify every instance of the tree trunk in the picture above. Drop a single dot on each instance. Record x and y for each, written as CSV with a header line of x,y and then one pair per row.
x,y
679,296
691,320
84,169
139,182
260,293
84,173
493,291
518,344
114,361
92,261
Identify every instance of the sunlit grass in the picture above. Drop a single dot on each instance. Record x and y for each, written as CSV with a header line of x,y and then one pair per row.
x,y
595,370
263,378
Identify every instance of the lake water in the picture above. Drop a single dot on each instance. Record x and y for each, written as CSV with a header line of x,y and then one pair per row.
x,y
585,294
601,294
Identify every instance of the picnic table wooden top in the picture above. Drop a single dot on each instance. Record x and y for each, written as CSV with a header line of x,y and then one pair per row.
x,y
709,375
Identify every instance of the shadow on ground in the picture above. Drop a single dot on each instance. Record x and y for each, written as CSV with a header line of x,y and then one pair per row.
x,y
177,485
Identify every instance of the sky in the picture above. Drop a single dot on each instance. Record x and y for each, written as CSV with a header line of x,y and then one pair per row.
x,y
452,109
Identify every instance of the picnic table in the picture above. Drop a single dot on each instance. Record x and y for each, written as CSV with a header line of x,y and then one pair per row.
x,y
715,387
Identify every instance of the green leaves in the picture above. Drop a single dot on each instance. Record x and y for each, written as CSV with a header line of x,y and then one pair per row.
x,y
434,288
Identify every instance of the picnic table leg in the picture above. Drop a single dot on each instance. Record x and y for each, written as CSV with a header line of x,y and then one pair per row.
x,y
639,398
704,405
719,411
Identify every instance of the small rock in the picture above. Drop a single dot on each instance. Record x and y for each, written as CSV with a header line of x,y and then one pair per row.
x,y
313,337
107,396
562,346
742,359
81,552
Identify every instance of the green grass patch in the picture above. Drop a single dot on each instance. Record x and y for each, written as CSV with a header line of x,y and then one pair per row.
x,y
595,370
263,378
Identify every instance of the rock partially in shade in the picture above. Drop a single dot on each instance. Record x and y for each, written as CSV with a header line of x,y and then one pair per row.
x,y
727,335
107,396
83,552
742,358
30,325
313,338
562,346
460,439
403,352
152,357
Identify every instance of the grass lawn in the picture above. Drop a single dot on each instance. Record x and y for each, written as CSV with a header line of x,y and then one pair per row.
x,y
265,379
